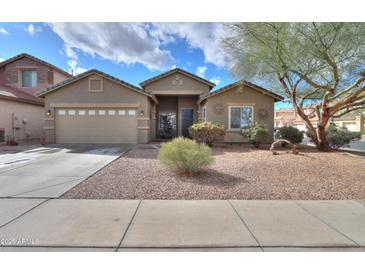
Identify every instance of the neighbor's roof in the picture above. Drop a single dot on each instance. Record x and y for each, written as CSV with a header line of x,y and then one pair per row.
x,y
12,94
276,96
350,116
165,74
22,55
87,73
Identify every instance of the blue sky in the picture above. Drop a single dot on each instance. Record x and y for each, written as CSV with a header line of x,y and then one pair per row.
x,y
130,51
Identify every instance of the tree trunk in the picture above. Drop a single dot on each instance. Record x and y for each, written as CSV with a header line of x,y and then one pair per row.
x,y
322,141
321,132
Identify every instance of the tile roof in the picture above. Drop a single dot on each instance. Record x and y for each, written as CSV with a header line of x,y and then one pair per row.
x,y
13,94
167,73
85,74
22,55
238,83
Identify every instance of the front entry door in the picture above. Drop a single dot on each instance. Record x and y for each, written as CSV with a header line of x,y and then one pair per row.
x,y
186,121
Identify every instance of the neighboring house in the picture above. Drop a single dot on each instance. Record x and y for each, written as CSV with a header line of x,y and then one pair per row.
x,y
94,107
21,112
288,117
353,121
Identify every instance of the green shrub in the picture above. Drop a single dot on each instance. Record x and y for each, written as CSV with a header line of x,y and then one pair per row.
x,y
206,132
291,134
256,134
309,135
185,155
340,136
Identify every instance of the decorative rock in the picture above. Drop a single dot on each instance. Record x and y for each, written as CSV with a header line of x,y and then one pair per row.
x,y
279,141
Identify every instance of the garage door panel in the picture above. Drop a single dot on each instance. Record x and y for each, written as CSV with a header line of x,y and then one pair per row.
x,y
95,128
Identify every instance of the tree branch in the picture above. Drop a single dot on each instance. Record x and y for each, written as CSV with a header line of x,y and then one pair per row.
x,y
349,110
349,88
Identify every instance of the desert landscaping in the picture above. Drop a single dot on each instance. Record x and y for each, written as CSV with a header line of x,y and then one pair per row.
x,y
239,172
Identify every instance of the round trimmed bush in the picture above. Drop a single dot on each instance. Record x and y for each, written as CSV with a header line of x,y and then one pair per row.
x,y
340,136
256,134
291,134
207,132
185,155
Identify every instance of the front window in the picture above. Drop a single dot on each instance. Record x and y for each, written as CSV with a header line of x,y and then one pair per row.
x,y
241,117
29,78
204,115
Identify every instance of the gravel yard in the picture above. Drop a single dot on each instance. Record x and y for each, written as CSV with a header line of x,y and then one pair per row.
x,y
239,172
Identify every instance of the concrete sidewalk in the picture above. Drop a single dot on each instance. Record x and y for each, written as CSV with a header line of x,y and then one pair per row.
x,y
160,225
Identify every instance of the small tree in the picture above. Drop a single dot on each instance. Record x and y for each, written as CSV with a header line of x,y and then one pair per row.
x,y
256,134
206,132
305,60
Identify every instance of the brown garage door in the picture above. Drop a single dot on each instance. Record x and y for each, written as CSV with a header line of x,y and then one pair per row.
x,y
96,126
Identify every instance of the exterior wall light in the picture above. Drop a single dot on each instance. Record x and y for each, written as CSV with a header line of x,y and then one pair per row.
x,y
48,113
141,113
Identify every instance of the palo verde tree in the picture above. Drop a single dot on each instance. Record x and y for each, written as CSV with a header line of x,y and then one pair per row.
x,y
305,60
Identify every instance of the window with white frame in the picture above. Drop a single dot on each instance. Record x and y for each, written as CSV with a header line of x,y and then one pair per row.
x,y
204,114
240,117
72,112
111,112
82,112
101,112
91,112
29,78
121,112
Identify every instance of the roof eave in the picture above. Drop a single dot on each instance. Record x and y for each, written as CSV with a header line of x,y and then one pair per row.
x,y
165,74
85,74
277,97
22,55
21,100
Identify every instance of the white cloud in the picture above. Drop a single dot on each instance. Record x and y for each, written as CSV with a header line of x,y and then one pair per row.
x,y
216,80
3,31
128,43
70,52
200,71
74,69
32,30
1,59
132,43
205,36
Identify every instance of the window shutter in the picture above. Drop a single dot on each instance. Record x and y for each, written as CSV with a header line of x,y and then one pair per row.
x,y
50,77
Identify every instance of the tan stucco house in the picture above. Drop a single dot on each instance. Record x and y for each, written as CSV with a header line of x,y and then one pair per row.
x,y
354,121
94,107
21,112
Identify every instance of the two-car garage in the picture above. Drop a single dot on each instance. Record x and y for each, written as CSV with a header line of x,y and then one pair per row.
x,y
95,125
96,108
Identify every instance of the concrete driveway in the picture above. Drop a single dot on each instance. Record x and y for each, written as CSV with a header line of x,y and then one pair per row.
x,y
49,172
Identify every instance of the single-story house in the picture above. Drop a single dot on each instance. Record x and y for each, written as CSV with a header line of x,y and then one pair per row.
x,y
94,107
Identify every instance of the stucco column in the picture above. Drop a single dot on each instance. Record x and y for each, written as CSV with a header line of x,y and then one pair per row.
x,y
360,122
